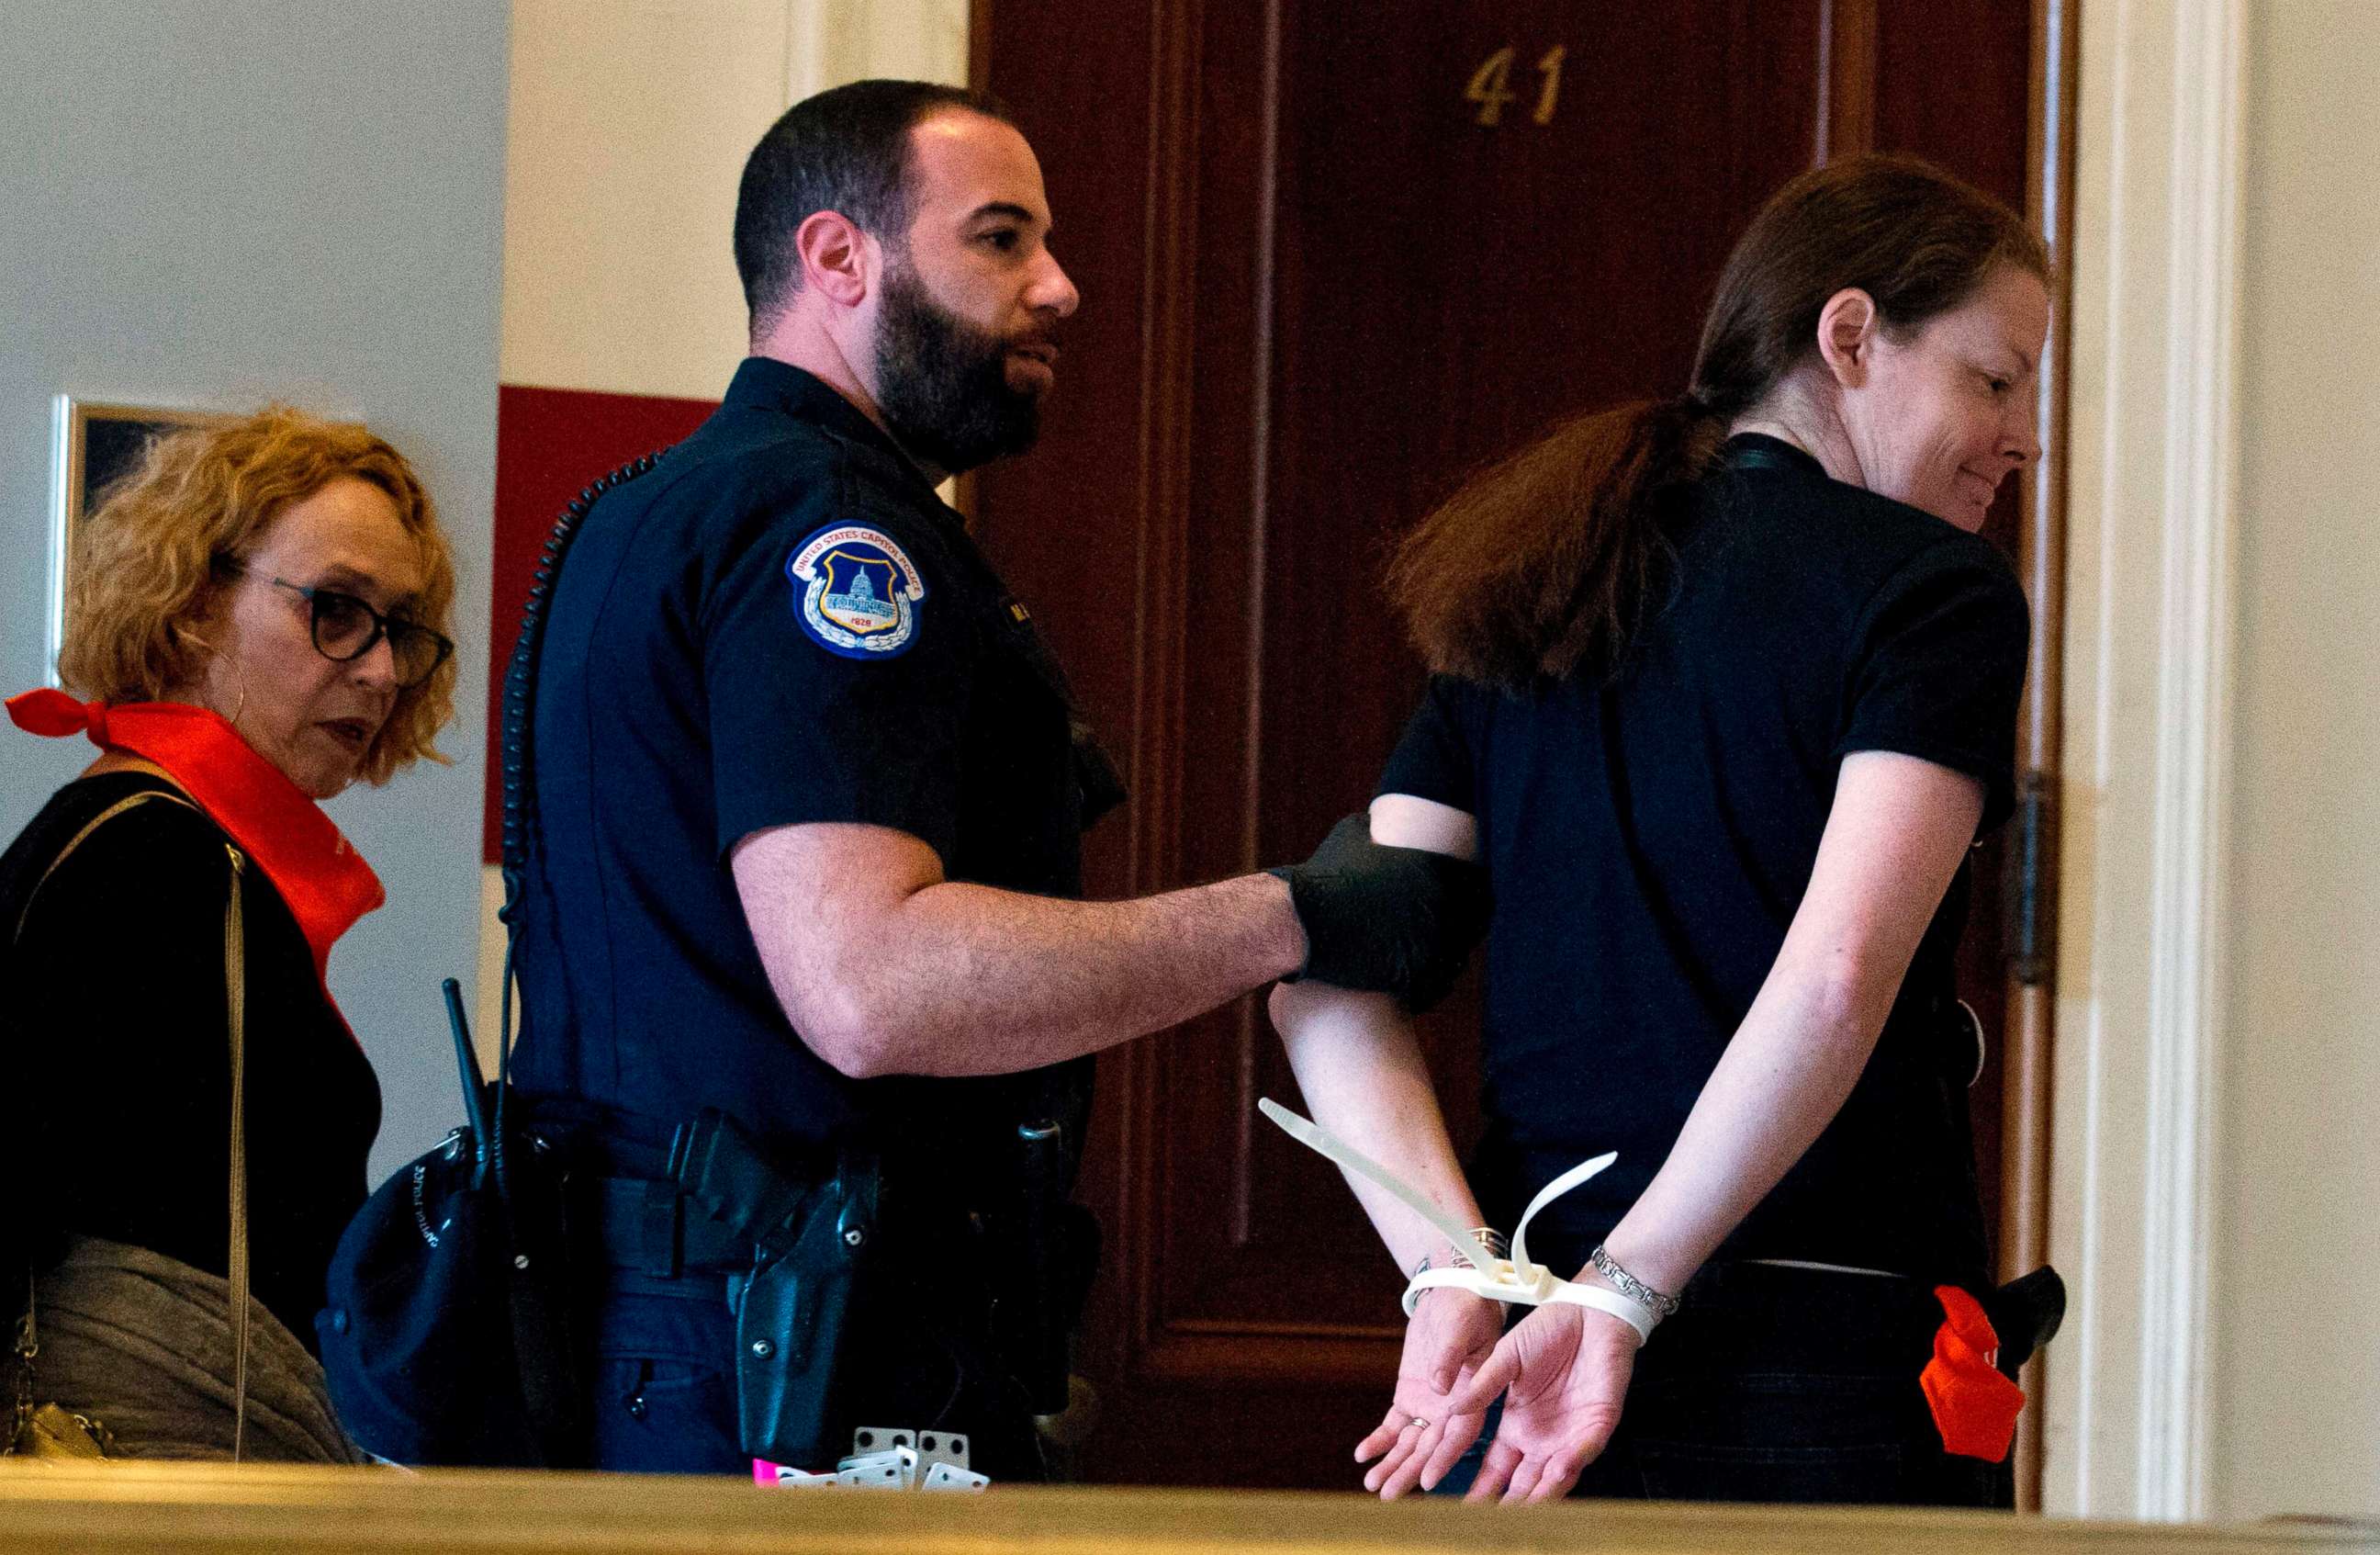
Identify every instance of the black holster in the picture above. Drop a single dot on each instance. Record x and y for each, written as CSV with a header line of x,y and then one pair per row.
x,y
811,1240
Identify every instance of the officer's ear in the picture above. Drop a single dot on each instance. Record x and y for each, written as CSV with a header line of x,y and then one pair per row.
x,y
837,259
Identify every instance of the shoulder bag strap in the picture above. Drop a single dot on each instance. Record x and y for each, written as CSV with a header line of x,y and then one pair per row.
x,y
235,1011
236,1265
129,801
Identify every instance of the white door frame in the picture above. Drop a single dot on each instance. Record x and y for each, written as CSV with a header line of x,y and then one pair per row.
x,y
2151,625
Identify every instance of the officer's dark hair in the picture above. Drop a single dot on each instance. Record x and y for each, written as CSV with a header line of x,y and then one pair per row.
x,y
1542,564
844,150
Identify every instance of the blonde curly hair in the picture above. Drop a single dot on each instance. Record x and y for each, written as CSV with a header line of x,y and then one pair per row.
x,y
146,566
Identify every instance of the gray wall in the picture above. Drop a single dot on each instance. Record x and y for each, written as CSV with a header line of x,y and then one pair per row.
x,y
213,202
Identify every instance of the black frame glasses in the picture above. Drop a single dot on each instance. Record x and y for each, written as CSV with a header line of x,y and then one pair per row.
x,y
408,641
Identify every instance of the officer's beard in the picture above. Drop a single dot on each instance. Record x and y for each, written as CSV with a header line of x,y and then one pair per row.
x,y
942,384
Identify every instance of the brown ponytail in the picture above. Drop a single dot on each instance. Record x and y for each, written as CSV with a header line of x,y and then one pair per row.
x,y
1542,565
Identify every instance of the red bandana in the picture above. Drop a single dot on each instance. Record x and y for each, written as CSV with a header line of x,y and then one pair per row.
x,y
324,880
1975,1408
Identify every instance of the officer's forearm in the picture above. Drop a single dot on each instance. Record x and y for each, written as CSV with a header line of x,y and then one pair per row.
x,y
969,980
884,967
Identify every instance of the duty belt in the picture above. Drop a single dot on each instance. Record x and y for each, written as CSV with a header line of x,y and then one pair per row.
x,y
642,1226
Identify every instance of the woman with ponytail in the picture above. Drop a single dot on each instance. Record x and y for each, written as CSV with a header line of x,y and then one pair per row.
x,y
1723,687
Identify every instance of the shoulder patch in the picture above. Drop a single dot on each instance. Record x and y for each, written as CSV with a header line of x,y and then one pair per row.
x,y
856,591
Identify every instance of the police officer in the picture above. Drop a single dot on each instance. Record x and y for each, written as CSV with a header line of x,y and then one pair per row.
x,y
809,792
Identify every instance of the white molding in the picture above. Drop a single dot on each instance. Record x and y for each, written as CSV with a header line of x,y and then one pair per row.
x,y
807,49
64,455
2153,612
832,42
2197,653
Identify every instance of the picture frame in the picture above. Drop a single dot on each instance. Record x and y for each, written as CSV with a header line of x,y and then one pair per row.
x,y
92,444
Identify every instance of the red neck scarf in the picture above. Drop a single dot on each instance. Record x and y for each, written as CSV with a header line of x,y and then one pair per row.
x,y
318,873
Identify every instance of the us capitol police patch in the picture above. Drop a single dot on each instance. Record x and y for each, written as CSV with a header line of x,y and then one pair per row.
x,y
858,591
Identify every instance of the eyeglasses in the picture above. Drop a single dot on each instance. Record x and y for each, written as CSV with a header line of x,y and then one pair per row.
x,y
346,628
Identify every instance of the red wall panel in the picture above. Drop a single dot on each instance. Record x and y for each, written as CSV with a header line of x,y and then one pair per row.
x,y
551,443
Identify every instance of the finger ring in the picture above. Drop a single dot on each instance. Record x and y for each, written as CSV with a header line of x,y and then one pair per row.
x,y
1415,1420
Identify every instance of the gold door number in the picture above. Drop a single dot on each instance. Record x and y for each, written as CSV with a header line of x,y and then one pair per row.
x,y
1491,85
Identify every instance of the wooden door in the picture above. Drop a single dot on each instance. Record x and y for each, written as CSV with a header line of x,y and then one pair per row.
x,y
1334,254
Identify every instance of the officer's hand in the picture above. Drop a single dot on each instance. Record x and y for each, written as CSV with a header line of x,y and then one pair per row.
x,y
1397,921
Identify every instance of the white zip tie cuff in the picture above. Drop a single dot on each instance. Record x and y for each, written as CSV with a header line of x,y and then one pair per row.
x,y
1513,1280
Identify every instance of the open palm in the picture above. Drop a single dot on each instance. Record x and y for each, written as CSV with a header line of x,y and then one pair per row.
x,y
1564,1373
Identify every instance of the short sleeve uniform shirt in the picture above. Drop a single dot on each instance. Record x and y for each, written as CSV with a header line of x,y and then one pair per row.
x,y
1651,834
779,624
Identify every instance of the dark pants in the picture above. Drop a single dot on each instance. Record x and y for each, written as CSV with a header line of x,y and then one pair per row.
x,y
1784,1385
664,1383
916,1353
664,1376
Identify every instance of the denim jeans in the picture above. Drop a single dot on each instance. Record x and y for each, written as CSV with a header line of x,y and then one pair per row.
x,y
1783,1385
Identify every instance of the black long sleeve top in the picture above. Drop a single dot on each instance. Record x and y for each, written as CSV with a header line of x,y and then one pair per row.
x,y
114,1045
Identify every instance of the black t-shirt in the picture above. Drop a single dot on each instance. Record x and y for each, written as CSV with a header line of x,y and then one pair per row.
x,y
119,1061
779,624
1650,834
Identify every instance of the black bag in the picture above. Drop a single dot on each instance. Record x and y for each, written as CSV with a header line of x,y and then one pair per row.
x,y
450,1332
447,1338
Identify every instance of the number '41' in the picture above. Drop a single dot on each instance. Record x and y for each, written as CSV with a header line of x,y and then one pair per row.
x,y
1491,85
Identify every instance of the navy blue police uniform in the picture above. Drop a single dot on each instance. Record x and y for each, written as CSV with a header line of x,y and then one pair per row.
x,y
782,623
1651,834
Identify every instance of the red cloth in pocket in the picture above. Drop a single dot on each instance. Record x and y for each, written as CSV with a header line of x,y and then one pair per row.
x,y
1975,1408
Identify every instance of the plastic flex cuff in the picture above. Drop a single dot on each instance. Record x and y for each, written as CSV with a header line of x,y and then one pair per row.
x,y
1513,1280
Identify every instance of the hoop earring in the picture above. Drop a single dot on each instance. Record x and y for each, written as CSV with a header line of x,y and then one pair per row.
x,y
213,657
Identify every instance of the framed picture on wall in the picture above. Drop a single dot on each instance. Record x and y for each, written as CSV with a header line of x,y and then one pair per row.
x,y
94,444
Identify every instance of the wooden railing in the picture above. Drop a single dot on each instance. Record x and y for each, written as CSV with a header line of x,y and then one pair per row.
x,y
185,1510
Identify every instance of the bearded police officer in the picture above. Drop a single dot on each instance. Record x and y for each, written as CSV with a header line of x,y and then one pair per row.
x,y
808,792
